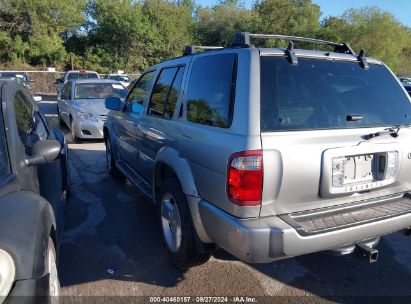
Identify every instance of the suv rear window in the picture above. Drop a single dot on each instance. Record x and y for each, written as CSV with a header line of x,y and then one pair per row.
x,y
71,76
319,94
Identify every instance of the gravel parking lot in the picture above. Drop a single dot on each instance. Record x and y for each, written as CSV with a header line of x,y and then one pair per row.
x,y
110,226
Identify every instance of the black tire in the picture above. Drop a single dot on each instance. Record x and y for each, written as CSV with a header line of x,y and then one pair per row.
x,y
187,254
111,161
51,269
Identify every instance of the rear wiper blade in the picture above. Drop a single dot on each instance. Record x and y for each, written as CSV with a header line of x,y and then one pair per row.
x,y
393,131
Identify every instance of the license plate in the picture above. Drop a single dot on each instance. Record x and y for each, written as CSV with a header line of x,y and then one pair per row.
x,y
358,169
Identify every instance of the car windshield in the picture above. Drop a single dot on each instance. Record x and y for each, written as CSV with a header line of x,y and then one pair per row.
x,y
99,90
120,78
320,94
80,75
14,74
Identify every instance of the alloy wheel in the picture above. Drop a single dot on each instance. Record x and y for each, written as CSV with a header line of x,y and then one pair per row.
x,y
171,222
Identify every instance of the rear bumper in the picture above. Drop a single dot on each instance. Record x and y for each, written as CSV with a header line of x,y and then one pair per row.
x,y
89,129
29,291
267,239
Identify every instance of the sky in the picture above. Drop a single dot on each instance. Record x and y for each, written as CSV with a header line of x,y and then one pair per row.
x,y
401,9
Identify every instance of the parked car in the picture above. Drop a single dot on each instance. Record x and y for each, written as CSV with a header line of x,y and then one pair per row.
x,y
408,89
405,80
80,106
269,153
36,98
22,76
124,79
131,85
33,187
72,75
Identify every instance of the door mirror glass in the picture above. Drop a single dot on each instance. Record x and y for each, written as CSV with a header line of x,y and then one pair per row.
x,y
136,108
113,103
44,151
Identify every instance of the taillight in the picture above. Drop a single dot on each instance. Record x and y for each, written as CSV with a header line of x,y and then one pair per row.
x,y
245,178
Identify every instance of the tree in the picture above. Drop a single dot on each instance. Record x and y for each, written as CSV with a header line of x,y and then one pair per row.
x,y
171,25
217,25
376,31
116,38
39,26
288,17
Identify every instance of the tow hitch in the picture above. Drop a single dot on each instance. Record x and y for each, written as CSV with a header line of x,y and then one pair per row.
x,y
371,254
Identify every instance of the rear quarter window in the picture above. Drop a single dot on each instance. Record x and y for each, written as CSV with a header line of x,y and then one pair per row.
x,y
211,90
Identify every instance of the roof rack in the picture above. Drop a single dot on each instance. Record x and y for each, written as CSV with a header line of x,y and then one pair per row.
x,y
363,60
192,49
242,39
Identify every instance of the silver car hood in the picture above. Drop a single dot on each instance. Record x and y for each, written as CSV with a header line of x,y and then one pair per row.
x,y
94,106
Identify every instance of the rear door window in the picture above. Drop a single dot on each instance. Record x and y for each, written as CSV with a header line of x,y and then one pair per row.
x,y
165,92
321,94
211,90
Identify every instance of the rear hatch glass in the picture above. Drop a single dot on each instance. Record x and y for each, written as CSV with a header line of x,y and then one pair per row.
x,y
83,75
320,94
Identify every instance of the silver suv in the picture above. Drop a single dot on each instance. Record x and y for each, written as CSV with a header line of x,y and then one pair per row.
x,y
269,153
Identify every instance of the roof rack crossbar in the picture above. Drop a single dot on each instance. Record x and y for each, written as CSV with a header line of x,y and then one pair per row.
x,y
294,38
242,39
292,57
192,49
363,60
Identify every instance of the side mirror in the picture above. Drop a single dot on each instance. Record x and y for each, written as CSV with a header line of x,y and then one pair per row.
x,y
44,151
113,103
37,98
58,81
136,108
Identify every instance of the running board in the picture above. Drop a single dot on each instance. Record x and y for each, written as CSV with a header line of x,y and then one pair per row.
x,y
135,179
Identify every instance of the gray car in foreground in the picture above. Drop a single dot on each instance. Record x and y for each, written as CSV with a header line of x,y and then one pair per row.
x,y
268,153
34,184
81,106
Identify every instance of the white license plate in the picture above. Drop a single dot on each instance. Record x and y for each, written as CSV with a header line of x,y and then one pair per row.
x,y
358,169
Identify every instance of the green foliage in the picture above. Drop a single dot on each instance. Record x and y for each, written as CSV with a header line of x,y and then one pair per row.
x,y
376,31
171,29
217,25
36,27
288,17
106,35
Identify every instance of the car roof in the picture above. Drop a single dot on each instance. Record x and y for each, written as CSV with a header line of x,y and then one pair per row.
x,y
304,53
314,53
80,71
95,80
